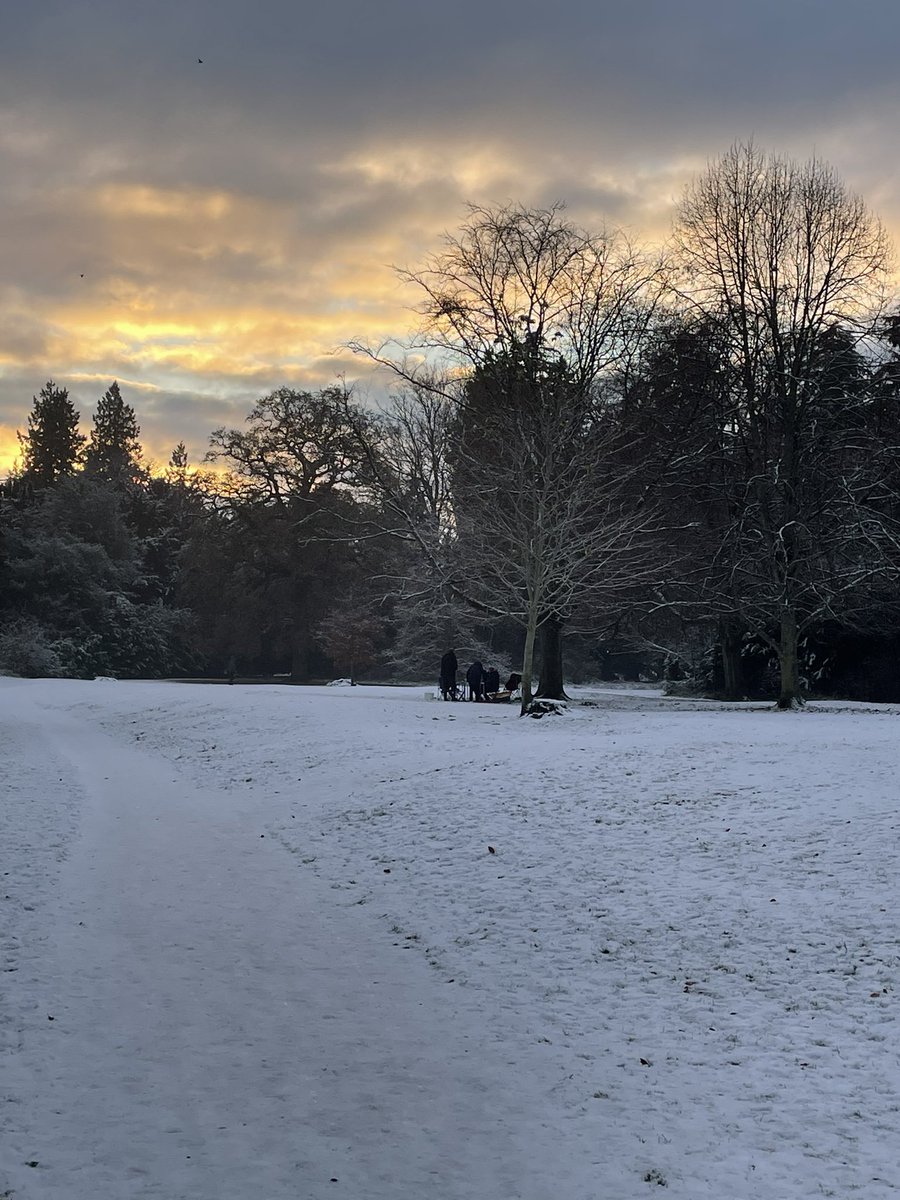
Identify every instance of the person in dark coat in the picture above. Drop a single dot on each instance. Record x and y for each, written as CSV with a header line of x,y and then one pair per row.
x,y
514,682
491,681
475,680
449,667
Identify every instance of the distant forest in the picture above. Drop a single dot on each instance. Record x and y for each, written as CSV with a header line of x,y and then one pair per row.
x,y
594,462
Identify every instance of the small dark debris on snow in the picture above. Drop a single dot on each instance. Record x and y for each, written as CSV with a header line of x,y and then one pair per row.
x,y
655,1176
491,850
387,870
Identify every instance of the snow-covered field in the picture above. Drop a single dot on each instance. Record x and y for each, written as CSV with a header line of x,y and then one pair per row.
x,y
268,943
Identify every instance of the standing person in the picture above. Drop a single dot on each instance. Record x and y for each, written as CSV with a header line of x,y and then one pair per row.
x,y
449,667
491,681
475,680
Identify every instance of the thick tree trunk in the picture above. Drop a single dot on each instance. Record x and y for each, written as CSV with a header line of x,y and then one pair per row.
x,y
528,665
300,654
730,640
551,685
789,662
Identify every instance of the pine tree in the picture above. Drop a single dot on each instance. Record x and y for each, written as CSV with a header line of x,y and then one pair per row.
x,y
52,448
114,452
178,460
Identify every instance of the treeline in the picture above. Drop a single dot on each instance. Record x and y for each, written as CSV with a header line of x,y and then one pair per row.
x,y
689,461
91,547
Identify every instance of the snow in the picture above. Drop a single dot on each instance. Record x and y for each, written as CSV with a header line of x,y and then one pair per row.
x,y
254,943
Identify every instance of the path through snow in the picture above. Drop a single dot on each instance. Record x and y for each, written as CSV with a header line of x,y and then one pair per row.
x,y
221,1026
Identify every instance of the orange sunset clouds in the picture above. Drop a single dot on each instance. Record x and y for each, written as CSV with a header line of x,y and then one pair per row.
x,y
207,232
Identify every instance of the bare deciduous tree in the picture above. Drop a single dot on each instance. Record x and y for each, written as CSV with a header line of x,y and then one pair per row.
x,y
780,255
545,519
289,496
295,444
524,287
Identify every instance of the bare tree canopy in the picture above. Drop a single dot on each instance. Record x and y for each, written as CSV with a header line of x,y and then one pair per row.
x,y
296,444
513,270
522,316
792,271
782,251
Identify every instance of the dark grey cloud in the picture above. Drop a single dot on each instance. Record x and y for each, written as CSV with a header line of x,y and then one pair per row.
x,y
325,63
307,73
117,92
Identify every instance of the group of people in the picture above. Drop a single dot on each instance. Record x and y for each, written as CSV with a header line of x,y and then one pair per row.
x,y
482,683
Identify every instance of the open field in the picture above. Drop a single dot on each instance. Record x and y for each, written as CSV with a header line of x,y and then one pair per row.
x,y
260,943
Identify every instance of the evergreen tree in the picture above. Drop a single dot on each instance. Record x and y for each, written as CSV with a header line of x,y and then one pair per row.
x,y
75,599
114,452
52,448
176,471
162,514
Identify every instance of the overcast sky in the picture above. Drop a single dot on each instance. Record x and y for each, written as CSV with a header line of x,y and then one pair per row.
x,y
206,232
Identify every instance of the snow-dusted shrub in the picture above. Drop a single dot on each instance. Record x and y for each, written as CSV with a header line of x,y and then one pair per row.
x,y
26,650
